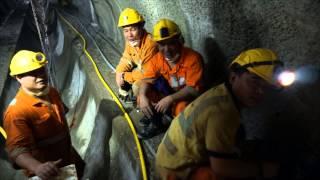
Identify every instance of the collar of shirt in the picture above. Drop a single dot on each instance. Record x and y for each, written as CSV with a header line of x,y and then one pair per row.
x,y
25,97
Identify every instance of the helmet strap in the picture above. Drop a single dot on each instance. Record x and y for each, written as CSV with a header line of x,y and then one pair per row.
x,y
263,63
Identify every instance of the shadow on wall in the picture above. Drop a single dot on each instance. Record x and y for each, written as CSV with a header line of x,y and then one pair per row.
x,y
285,128
5,7
29,40
230,40
308,94
296,130
29,37
215,68
97,157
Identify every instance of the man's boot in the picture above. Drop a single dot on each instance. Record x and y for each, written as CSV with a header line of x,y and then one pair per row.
x,y
152,126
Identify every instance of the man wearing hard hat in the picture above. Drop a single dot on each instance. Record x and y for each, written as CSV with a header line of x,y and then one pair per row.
x,y
139,48
172,78
201,141
38,138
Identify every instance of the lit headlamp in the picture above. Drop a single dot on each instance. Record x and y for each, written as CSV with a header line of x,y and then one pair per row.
x,y
286,78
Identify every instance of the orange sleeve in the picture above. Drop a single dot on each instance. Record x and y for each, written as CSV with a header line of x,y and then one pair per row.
x,y
20,137
146,54
195,72
151,68
125,63
128,76
149,51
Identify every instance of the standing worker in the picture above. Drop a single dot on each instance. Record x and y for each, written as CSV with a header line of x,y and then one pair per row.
x,y
201,141
173,78
139,48
38,136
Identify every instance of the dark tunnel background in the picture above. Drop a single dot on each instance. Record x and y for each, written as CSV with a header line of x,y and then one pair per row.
x,y
286,125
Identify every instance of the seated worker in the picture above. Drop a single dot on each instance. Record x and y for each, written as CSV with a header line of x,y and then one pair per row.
x,y
201,141
38,136
139,48
172,78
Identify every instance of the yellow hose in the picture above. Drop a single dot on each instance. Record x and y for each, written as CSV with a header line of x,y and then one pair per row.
x,y
4,134
115,98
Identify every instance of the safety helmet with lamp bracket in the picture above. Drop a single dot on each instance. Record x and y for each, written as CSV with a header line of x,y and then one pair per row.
x,y
26,61
265,64
165,29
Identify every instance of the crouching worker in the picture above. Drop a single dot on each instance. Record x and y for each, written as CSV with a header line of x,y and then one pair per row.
x,y
139,48
201,141
38,136
172,79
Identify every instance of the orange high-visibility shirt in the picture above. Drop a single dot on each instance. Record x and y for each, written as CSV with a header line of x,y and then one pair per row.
x,y
133,59
38,128
187,72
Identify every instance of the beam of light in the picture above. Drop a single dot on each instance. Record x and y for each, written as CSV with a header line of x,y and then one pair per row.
x,y
308,74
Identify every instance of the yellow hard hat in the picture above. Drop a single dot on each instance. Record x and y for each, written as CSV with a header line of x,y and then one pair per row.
x,y
129,16
165,29
262,62
25,61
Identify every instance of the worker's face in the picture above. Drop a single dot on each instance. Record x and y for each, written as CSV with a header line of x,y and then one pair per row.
x,y
249,88
132,33
170,49
34,81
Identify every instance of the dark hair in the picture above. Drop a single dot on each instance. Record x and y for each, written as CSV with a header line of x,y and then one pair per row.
x,y
237,69
181,39
140,25
178,37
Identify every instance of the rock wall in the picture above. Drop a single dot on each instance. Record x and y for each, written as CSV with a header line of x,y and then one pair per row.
x,y
220,30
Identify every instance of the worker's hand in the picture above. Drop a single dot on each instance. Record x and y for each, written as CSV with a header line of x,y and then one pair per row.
x,y
48,169
164,104
146,106
119,79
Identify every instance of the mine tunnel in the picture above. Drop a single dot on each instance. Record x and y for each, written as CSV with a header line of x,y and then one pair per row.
x,y
83,44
